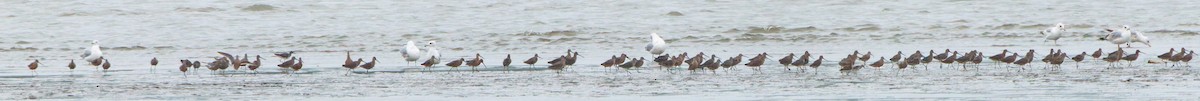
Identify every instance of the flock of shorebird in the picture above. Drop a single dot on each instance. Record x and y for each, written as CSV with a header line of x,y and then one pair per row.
x,y
657,46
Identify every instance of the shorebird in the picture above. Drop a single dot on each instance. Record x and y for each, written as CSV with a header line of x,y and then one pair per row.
x,y
183,66
817,63
622,58
214,65
628,65
609,63
299,64
757,61
570,60
287,64
897,57
848,62
475,62
1167,56
949,60
941,56
350,64
1111,58
657,45
196,65
71,66
254,65
915,59
33,66
107,64
1187,59
98,62
728,64
867,56
1054,32
285,55
1010,58
232,60
878,64
410,52
367,66
1118,36
245,60
454,64
507,61
801,62
639,62
532,60
93,54
430,62
1132,57
1023,61
557,66
999,56
153,63
787,60
713,64
1079,58
1098,52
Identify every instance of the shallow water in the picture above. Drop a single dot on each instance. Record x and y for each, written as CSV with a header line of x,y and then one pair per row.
x,y
133,31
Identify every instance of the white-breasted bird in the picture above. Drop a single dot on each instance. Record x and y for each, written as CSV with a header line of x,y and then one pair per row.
x,y
93,53
1118,36
411,53
657,45
1054,32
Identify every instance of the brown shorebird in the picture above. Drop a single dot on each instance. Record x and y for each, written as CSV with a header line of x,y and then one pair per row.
x,y
475,62
570,61
71,66
183,66
728,64
287,64
299,64
33,66
217,64
1132,57
96,62
897,57
915,59
695,64
1187,59
153,63
941,56
949,60
1167,56
848,62
787,61
713,64
817,63
639,62
253,66
622,58
367,66
866,57
532,60
966,58
609,63
350,64
1178,56
558,66
284,55
999,56
196,65
433,60
1079,58
233,60
106,64
507,61
454,64
878,64
628,65
662,58
757,61
1097,53
1010,58
1023,61
978,58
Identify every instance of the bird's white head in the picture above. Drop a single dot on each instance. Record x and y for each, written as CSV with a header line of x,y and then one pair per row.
x,y
430,43
1126,27
1061,26
95,42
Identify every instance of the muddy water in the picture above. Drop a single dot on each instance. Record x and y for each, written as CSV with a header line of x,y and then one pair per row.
x,y
133,31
